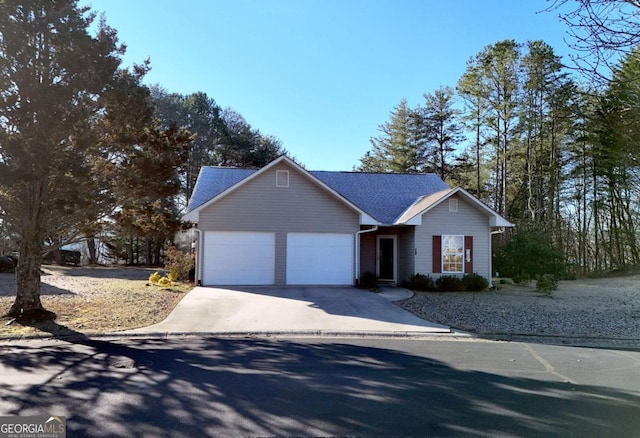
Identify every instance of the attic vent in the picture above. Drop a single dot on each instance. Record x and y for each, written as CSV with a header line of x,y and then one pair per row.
x,y
282,178
453,205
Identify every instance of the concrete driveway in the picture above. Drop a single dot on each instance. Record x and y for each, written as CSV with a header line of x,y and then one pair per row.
x,y
292,310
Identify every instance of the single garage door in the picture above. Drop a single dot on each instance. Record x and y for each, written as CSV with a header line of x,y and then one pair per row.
x,y
237,258
317,258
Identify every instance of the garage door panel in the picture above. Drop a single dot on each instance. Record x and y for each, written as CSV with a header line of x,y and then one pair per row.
x,y
314,258
237,258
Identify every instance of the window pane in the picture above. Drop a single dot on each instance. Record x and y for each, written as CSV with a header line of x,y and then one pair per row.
x,y
452,253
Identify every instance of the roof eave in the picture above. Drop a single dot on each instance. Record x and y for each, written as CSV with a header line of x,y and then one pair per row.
x,y
365,219
407,218
192,216
495,220
500,222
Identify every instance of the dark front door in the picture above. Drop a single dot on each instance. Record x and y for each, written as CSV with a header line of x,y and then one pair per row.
x,y
386,258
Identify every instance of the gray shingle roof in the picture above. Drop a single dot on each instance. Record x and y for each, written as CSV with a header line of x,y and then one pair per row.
x,y
383,196
214,180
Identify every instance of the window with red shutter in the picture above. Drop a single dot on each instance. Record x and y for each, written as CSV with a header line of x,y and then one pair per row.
x,y
452,254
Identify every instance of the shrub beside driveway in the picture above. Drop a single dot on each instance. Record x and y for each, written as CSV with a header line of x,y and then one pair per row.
x,y
95,299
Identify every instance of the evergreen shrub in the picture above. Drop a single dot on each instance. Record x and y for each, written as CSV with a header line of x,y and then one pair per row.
x,y
474,282
449,283
529,255
421,282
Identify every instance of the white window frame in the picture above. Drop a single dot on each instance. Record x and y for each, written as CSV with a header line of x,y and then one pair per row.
x,y
446,265
282,178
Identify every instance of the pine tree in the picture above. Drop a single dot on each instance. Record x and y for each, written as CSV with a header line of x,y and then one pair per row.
x,y
78,138
400,147
472,90
51,73
442,129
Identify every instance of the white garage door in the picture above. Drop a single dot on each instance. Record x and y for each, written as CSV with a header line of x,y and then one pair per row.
x,y
319,258
237,258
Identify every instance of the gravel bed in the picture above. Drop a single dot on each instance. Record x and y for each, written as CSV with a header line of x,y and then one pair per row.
x,y
595,311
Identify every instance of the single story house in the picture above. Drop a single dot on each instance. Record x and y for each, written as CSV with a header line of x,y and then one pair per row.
x,y
285,225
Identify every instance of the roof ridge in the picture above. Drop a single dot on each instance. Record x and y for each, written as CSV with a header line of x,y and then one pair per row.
x,y
229,167
355,172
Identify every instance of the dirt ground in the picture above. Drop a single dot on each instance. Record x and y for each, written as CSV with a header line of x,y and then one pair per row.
x,y
94,299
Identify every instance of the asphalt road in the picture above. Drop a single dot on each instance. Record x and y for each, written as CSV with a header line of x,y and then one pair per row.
x,y
192,387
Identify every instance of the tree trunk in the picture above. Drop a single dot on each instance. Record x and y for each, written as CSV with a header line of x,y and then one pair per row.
x,y
91,246
478,120
157,252
130,259
59,257
27,304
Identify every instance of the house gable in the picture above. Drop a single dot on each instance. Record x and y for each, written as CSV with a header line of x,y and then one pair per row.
x,y
466,221
414,214
264,203
232,179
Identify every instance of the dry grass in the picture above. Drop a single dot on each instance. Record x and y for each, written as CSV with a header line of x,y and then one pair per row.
x,y
94,300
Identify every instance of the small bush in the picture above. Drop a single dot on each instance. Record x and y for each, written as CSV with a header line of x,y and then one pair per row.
x,y
158,280
178,264
449,283
368,280
165,282
547,283
474,282
155,278
421,282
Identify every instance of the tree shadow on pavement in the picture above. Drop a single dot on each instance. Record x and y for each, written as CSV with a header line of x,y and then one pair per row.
x,y
246,387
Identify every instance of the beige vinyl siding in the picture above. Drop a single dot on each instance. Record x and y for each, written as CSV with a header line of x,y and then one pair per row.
x,y
258,205
367,253
406,251
467,221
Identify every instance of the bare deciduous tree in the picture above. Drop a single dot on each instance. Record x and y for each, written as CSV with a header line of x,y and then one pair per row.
x,y
601,32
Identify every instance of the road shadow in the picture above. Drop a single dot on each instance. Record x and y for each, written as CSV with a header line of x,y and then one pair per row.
x,y
250,387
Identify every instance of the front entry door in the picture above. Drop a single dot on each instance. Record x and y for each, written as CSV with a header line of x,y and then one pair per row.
x,y
387,258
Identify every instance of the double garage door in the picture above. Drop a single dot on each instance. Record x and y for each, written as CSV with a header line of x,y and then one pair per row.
x,y
249,258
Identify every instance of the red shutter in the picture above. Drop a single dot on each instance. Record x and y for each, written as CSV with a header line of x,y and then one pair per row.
x,y
468,254
437,254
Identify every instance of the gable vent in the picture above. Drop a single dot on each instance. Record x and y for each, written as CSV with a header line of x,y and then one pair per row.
x,y
282,178
453,205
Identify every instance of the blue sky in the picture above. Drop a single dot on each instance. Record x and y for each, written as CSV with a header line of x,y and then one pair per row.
x,y
320,75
